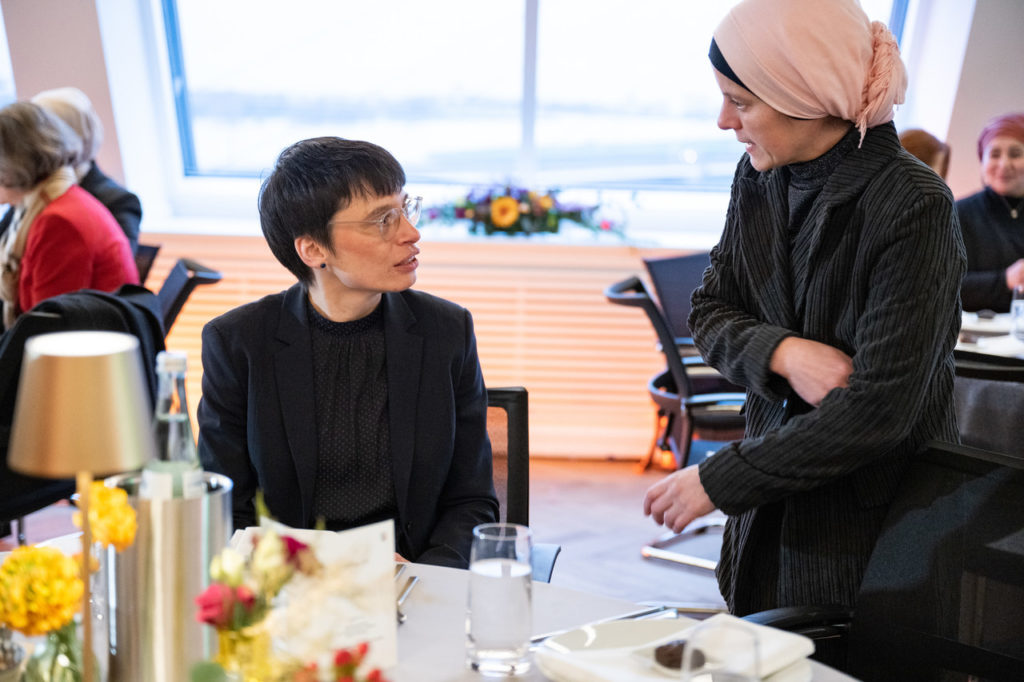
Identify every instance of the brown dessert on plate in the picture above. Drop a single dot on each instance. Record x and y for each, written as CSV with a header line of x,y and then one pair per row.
x,y
670,655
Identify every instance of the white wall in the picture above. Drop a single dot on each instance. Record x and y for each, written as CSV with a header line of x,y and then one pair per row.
x,y
56,43
991,83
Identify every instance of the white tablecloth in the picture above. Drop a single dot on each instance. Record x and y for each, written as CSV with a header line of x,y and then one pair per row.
x,y
431,643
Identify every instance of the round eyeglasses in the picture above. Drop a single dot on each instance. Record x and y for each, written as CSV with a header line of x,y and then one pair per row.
x,y
389,222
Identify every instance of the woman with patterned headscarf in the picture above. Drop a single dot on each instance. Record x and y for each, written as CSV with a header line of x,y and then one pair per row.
x,y
993,219
832,296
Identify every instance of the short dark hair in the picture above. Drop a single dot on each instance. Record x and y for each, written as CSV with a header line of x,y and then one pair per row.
x,y
311,181
33,144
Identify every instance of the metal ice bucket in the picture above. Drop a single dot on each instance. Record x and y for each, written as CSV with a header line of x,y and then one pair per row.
x,y
153,633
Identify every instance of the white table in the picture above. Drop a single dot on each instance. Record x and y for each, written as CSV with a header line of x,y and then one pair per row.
x,y
432,641
989,335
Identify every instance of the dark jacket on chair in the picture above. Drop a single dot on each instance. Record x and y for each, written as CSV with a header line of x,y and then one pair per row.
x,y
257,418
807,489
132,310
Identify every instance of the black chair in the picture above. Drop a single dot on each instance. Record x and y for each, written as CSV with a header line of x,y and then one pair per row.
x,y
682,410
988,396
674,279
508,430
943,594
145,254
185,276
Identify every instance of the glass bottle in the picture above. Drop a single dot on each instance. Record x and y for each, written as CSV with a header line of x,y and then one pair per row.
x,y
175,472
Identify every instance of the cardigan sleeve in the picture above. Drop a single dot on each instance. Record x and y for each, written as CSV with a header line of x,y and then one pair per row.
x,y
907,324
734,341
983,286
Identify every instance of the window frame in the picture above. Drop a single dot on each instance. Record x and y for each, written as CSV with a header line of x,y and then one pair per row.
x,y
148,50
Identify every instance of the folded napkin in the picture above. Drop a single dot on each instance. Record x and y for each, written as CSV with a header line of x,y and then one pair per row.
x,y
781,653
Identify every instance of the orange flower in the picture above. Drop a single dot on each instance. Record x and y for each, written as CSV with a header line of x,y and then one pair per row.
x,y
504,211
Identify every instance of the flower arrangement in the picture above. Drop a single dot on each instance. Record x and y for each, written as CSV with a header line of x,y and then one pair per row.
x,y
510,210
238,602
41,588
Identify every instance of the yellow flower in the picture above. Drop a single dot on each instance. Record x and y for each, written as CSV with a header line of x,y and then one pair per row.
x,y
111,518
40,590
546,202
504,211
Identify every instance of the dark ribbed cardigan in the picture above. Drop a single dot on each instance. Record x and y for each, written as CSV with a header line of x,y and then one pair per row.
x,y
806,489
994,240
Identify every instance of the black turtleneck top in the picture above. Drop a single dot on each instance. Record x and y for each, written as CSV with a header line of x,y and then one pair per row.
x,y
354,479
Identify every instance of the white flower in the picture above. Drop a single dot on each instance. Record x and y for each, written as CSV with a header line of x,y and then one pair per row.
x,y
228,567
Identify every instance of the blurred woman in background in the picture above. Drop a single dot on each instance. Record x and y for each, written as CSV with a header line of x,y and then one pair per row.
x,y
61,238
928,148
992,220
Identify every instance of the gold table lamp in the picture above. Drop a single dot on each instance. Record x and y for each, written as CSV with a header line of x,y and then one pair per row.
x,y
82,410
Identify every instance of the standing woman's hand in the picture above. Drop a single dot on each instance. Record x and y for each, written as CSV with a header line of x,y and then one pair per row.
x,y
678,499
811,368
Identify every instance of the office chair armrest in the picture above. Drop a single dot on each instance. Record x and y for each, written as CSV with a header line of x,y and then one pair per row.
x,y
814,621
714,399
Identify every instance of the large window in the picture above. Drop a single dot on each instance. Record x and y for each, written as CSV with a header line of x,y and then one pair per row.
x,y
616,94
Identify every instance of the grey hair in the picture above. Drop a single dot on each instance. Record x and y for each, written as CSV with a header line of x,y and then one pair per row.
x,y
72,106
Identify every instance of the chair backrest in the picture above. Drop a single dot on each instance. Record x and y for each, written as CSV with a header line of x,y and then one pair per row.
x,y
185,276
988,398
508,430
674,279
633,292
944,588
145,254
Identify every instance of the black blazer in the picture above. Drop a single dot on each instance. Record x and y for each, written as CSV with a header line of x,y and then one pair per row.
x,y
256,418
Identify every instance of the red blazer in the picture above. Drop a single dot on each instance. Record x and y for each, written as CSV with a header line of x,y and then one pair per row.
x,y
74,243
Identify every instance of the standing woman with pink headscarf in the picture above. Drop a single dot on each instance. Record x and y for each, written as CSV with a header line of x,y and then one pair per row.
x,y
832,296
993,219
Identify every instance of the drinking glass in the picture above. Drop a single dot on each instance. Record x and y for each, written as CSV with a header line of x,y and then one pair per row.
x,y
499,613
719,651
1017,313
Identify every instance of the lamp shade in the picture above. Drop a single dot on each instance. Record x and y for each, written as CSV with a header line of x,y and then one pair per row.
x,y
82,406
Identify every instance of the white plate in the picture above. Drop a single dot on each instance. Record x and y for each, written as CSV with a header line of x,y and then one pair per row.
x,y
616,634
623,651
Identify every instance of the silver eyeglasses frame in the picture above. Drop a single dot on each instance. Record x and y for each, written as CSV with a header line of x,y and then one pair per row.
x,y
388,223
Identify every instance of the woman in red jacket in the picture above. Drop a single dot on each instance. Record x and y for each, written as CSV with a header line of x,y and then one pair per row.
x,y
62,239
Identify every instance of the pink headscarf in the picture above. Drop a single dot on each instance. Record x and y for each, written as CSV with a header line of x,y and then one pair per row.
x,y
1010,125
815,58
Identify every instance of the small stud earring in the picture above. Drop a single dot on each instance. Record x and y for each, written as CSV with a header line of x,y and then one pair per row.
x,y
323,265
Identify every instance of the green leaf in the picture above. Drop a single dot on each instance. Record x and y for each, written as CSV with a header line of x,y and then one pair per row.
x,y
207,671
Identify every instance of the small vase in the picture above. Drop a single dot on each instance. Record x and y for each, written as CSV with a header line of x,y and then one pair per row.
x,y
244,654
12,657
58,658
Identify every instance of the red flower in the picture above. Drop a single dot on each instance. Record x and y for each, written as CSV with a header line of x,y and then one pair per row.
x,y
292,546
216,605
342,657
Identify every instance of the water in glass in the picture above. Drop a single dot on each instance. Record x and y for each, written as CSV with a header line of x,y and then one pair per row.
x,y
499,608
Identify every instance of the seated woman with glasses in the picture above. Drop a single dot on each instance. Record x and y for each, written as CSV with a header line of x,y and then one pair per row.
x,y
349,397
